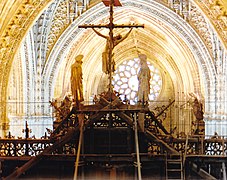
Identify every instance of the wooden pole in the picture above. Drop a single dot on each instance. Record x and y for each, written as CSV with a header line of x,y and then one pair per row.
x,y
81,122
137,148
111,26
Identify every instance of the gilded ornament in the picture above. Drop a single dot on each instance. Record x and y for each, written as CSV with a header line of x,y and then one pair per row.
x,y
20,18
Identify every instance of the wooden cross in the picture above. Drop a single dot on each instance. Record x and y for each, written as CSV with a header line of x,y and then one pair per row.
x,y
111,26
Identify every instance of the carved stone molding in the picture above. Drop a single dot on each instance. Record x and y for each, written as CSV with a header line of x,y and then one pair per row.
x,y
216,11
21,20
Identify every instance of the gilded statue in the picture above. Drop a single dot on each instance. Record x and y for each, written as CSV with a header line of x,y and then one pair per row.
x,y
76,80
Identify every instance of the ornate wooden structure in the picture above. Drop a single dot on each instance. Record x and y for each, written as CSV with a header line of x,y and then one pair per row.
x,y
109,144
112,138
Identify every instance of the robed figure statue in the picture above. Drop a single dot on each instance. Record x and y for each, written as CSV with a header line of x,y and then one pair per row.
x,y
144,77
76,80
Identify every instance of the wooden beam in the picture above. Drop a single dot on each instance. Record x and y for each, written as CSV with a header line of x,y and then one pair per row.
x,y
115,2
160,125
34,160
153,137
202,173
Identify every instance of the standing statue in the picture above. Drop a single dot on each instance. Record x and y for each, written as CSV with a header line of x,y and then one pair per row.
x,y
105,55
197,107
76,80
144,77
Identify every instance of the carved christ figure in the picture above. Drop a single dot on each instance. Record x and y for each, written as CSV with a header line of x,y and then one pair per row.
x,y
105,55
76,80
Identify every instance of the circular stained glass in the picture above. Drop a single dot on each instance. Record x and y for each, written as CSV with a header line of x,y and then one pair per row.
x,y
126,83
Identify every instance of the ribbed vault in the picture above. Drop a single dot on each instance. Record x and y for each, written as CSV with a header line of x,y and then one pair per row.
x,y
159,40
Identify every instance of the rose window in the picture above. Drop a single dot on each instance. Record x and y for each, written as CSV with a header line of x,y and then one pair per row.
x,y
125,80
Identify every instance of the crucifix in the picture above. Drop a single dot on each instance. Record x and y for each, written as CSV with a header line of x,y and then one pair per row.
x,y
112,40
